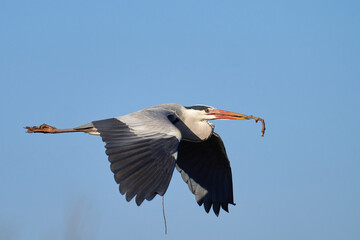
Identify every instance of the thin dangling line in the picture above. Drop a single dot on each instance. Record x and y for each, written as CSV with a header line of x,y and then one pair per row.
x,y
163,208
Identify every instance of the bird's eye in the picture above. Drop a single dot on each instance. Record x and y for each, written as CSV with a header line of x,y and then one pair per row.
x,y
207,110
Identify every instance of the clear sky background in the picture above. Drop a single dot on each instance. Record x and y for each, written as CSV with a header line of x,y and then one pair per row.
x,y
296,64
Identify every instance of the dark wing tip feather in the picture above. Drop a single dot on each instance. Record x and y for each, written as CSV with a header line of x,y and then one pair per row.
x,y
129,196
139,200
216,208
121,188
151,196
207,206
225,206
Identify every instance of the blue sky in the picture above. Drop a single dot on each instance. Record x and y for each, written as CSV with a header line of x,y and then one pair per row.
x,y
296,64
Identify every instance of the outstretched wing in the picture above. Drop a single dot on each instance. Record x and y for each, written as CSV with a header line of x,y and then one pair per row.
x,y
204,166
142,150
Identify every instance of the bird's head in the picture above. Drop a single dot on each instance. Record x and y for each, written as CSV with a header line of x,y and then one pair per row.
x,y
204,112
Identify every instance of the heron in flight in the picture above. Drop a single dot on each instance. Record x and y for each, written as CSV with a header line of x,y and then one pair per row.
x,y
144,147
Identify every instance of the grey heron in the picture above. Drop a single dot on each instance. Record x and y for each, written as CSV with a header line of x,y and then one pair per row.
x,y
145,147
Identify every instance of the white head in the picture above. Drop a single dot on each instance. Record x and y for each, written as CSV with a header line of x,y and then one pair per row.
x,y
203,112
194,124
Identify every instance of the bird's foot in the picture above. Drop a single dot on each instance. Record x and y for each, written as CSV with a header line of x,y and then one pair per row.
x,y
43,128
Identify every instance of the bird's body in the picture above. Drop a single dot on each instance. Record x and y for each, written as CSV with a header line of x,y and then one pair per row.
x,y
144,147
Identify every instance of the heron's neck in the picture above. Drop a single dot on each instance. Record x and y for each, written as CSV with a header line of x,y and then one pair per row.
x,y
194,129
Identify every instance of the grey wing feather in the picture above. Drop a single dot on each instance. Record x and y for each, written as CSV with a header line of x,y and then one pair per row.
x,y
204,166
142,150
88,125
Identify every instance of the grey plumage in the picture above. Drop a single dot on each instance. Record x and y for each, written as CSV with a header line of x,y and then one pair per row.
x,y
142,158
